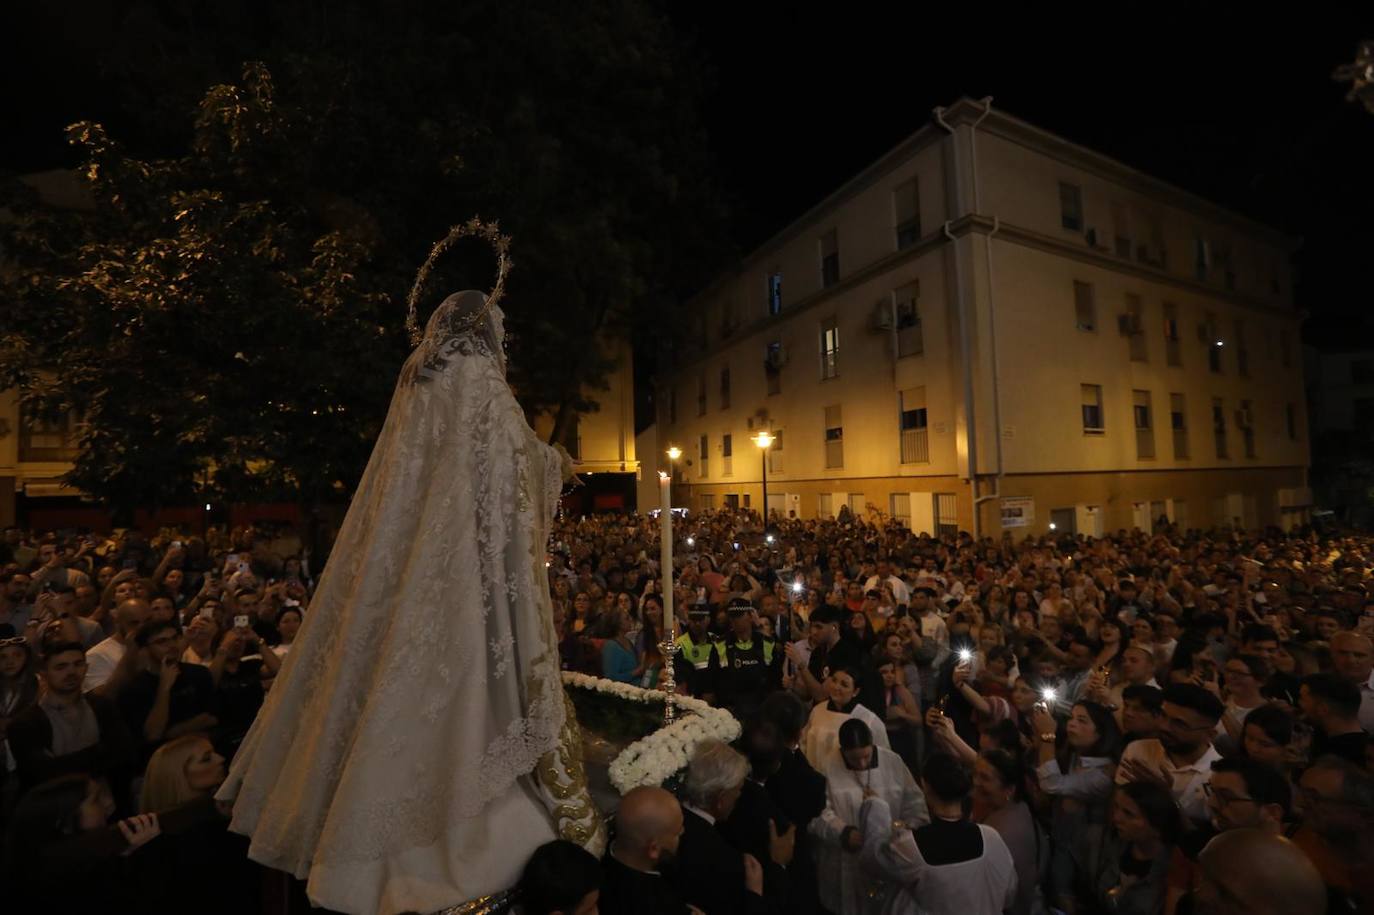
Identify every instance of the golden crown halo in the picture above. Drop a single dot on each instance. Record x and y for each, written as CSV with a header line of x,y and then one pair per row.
x,y
474,228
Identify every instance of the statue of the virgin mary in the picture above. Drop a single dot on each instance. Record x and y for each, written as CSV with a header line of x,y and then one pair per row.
x,y
417,745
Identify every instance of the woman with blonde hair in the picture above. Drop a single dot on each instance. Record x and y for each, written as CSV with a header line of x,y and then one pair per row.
x,y
181,770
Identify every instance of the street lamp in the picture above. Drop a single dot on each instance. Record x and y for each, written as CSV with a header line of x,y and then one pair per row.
x,y
764,439
674,453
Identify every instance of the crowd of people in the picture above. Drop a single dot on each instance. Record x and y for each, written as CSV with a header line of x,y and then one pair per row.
x,y
130,670
1176,722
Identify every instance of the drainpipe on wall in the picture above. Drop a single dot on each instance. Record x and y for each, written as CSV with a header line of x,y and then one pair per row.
x,y
965,342
992,315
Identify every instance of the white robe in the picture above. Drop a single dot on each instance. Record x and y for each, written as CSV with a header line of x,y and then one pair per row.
x,y
986,884
822,732
393,761
844,888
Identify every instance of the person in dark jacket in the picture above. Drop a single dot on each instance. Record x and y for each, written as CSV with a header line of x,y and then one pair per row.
x,y
648,832
712,874
66,732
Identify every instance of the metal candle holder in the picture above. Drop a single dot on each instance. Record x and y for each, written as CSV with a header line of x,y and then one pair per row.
x,y
668,681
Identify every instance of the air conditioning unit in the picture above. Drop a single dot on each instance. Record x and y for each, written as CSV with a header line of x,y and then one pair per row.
x,y
882,317
776,358
1128,324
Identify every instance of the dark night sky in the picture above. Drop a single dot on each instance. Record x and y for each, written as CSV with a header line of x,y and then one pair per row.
x,y
801,102
1251,120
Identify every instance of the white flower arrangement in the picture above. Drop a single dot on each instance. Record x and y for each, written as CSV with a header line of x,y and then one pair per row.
x,y
654,759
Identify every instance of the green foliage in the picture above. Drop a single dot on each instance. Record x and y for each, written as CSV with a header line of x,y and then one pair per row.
x,y
618,721
228,319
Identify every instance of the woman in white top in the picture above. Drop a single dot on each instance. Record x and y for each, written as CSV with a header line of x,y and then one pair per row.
x,y
821,733
855,771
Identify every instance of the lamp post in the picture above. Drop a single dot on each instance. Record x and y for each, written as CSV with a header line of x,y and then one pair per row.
x,y
764,439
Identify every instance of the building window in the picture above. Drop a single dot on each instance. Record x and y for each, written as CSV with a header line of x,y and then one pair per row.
x,y
906,206
727,318
1173,352
830,258
704,454
1121,230
1212,340
1093,421
1221,259
775,455
1071,206
824,506
1202,258
1133,326
1285,348
725,388
1245,419
899,506
1219,427
1242,351
910,339
52,440
701,395
775,293
912,421
772,366
1178,422
830,348
1151,252
1144,426
732,501
1084,308
1290,415
834,438
727,455
946,514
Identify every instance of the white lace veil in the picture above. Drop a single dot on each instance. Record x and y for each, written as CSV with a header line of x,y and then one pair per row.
x,y
467,313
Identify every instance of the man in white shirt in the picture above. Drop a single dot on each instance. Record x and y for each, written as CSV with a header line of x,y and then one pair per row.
x,y
1182,756
1352,655
103,658
900,593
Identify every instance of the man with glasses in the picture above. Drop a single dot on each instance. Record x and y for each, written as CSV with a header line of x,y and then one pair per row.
x,y
1181,757
1242,794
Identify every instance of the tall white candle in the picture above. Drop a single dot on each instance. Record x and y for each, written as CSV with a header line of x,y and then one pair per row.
x,y
665,534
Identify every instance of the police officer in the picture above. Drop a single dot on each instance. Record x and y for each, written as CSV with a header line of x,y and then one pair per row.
x,y
694,652
746,666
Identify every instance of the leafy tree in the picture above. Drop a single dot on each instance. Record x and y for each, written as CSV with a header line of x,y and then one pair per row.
x,y
228,319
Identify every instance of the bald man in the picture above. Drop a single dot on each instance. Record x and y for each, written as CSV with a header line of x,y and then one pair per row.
x,y
648,826
1254,872
1352,655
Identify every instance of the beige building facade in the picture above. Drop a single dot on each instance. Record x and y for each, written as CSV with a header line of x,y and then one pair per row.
x,y
993,329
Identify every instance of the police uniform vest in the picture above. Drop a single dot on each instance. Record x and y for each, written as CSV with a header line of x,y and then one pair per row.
x,y
698,654
744,668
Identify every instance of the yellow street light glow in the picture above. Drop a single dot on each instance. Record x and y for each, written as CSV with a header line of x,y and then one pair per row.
x,y
674,453
763,439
